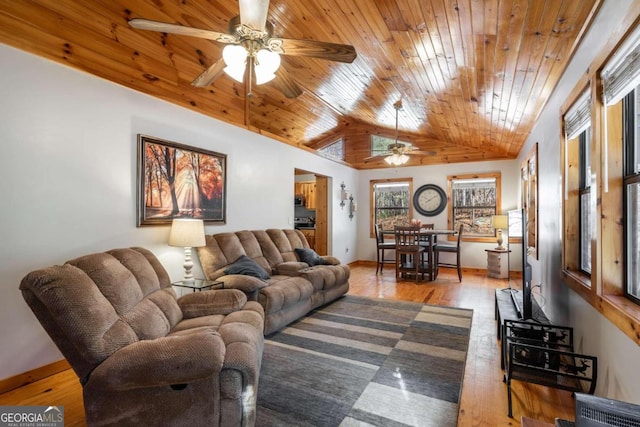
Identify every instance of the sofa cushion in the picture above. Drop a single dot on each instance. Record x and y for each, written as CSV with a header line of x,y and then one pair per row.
x,y
247,266
283,292
310,257
286,240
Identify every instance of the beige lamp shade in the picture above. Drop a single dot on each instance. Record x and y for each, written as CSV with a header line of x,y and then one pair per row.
x,y
187,233
500,222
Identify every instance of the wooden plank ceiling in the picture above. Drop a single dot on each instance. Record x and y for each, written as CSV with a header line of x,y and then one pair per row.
x,y
473,75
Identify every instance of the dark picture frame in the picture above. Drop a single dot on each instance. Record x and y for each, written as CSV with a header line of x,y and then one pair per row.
x,y
178,181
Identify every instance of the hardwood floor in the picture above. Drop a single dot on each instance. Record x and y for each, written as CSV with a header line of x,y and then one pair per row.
x,y
484,395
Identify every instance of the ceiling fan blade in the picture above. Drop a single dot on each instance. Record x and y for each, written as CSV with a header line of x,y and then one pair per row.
x,y
315,49
210,74
421,153
163,27
253,13
377,157
285,84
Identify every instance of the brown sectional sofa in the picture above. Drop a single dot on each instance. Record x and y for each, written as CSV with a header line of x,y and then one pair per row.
x,y
144,356
293,287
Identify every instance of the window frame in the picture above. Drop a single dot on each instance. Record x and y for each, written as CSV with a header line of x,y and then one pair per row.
x,y
604,289
631,174
322,151
584,189
372,206
390,140
467,236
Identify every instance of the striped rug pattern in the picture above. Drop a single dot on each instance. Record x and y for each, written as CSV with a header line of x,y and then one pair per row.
x,y
366,362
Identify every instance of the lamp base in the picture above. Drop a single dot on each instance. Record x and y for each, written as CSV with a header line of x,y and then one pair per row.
x,y
499,241
188,265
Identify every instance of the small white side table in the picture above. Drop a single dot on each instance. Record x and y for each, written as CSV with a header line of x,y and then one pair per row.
x,y
498,263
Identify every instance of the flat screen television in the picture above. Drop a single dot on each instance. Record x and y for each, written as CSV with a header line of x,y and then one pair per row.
x,y
518,222
594,411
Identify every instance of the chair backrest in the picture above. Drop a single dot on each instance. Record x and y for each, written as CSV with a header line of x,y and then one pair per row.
x,y
406,236
379,236
94,305
460,229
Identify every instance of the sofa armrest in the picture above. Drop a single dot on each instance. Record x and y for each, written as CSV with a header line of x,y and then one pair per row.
x,y
330,259
247,284
290,268
206,303
163,361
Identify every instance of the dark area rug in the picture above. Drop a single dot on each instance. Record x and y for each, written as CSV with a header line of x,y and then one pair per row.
x,y
366,362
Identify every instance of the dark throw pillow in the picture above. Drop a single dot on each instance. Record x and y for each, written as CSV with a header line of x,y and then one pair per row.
x,y
310,257
248,267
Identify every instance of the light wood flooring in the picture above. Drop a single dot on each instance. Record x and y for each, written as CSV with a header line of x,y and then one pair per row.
x,y
484,395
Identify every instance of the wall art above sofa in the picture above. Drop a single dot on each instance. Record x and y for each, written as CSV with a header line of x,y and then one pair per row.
x,y
178,181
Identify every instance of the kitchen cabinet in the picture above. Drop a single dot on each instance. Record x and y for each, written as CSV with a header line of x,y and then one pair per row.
x,y
308,190
310,235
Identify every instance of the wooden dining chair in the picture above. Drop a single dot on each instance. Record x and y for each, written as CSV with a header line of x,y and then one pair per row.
x,y
382,246
409,251
423,241
447,248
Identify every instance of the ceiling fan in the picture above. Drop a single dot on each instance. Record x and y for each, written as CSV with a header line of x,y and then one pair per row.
x,y
398,153
250,41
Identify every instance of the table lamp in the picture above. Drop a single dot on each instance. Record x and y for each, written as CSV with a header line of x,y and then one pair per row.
x,y
500,222
187,233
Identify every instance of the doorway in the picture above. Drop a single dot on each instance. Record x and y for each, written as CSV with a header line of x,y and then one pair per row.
x,y
311,193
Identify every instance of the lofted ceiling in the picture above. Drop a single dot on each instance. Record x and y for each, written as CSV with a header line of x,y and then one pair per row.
x,y
473,75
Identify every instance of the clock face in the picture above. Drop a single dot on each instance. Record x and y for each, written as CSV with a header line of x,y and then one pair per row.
x,y
429,200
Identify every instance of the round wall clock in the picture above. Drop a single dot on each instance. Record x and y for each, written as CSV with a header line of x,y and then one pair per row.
x,y
429,200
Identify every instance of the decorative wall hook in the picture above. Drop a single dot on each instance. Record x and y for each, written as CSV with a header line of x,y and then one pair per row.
x,y
353,207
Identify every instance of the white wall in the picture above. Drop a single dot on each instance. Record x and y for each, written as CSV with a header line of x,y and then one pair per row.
x,y
68,178
618,376
473,254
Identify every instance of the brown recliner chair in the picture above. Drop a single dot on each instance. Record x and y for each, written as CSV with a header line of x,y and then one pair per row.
x,y
144,356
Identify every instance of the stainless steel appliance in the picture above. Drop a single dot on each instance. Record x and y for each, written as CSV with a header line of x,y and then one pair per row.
x,y
304,222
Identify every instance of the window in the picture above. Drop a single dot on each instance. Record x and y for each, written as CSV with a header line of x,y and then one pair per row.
x,y
601,186
578,206
474,200
585,200
391,202
620,81
631,183
380,144
334,151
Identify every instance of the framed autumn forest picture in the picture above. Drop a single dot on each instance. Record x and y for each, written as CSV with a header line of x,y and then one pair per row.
x,y
177,181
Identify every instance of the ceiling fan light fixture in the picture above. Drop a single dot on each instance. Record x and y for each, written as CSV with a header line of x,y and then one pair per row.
x,y
235,56
396,159
267,63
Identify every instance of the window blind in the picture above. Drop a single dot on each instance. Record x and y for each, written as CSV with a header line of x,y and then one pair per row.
x,y
622,73
578,117
391,188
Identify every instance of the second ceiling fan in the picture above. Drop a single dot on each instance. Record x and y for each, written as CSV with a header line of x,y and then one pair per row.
x,y
398,153
252,49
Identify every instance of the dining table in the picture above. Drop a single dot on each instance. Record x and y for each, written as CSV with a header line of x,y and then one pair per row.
x,y
429,238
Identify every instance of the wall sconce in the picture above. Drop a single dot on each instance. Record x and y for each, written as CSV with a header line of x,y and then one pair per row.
x,y
353,207
343,195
